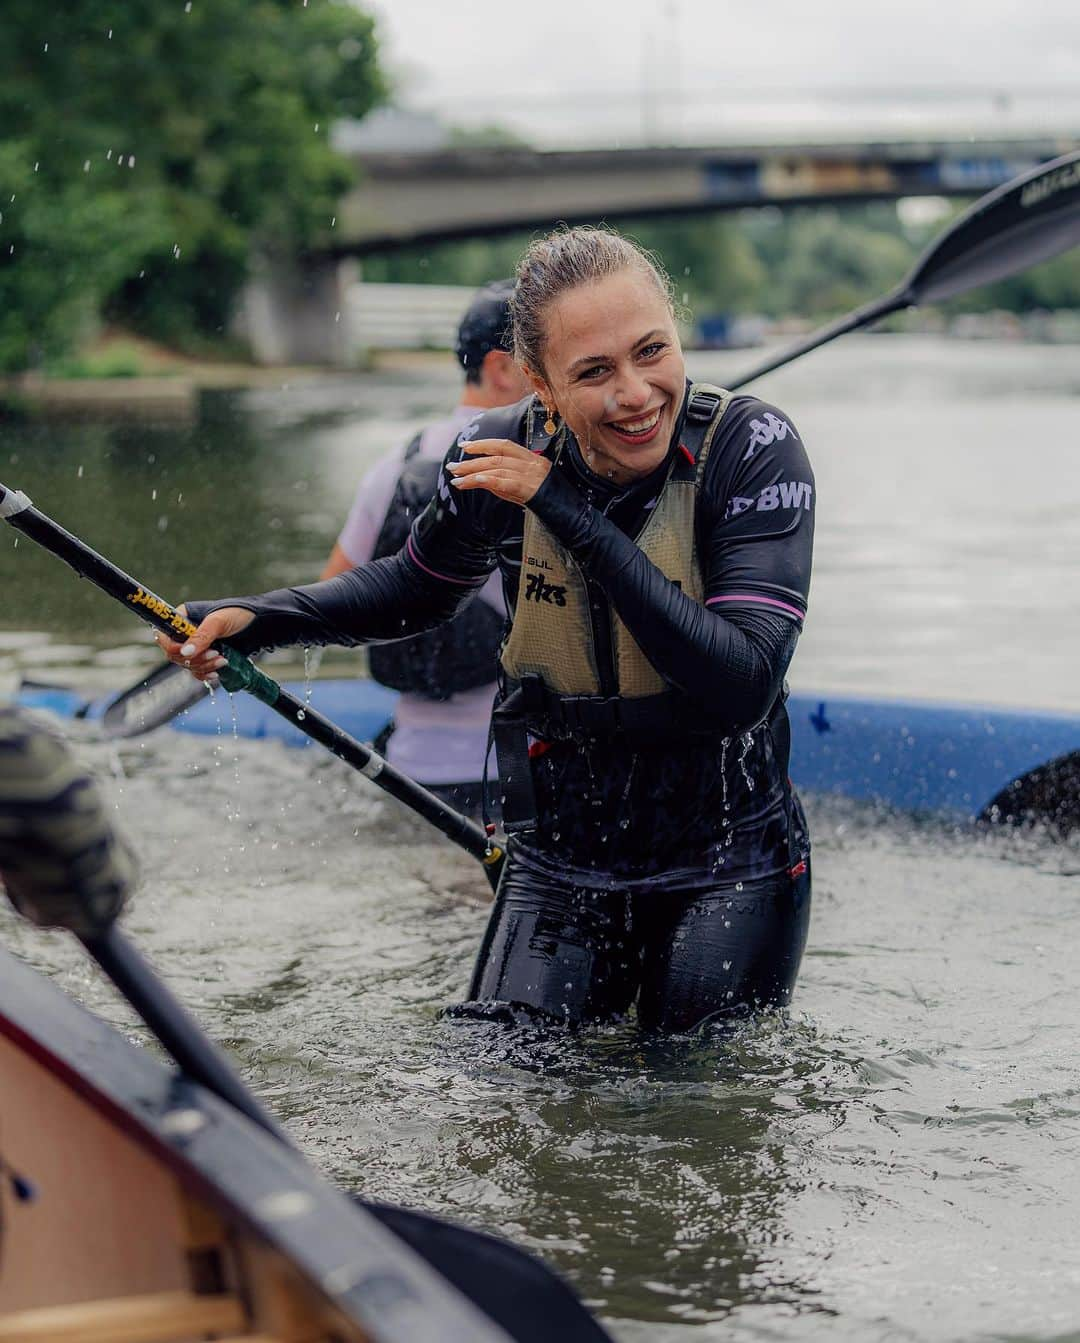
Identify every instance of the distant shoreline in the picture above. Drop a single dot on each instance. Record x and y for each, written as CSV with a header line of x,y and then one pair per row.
x,y
171,391
168,383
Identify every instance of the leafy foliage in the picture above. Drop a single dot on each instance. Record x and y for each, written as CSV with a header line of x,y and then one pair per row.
x,y
151,144
811,262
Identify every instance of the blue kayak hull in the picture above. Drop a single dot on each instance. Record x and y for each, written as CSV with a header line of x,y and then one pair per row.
x,y
952,760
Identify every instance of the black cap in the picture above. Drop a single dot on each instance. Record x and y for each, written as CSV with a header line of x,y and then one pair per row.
x,y
485,326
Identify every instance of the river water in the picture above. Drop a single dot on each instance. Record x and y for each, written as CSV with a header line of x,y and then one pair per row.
x,y
896,1159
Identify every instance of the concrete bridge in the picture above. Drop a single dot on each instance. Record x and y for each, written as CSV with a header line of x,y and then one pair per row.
x,y
408,199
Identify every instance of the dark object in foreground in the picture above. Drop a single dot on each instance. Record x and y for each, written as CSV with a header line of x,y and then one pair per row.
x,y
147,1203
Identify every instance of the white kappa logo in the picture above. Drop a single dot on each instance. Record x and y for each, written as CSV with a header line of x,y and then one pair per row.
x,y
770,429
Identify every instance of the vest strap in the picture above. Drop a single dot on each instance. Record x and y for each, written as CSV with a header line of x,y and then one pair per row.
x,y
702,405
511,736
646,720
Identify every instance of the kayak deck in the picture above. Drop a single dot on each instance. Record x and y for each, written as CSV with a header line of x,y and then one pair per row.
x,y
953,760
957,761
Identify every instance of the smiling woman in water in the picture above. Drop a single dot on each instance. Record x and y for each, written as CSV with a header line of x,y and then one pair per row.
x,y
654,539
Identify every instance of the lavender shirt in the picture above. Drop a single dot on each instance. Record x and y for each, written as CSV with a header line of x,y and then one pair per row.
x,y
435,741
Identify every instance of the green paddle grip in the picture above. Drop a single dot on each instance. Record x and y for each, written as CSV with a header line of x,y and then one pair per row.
x,y
242,674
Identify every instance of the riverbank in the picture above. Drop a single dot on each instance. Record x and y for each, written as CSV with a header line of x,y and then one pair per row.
x,y
172,394
125,377
121,376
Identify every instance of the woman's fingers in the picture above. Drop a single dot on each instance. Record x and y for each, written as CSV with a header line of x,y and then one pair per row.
x,y
506,469
485,478
198,653
461,469
496,447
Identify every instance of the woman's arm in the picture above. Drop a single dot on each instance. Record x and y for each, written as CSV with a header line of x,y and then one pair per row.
x,y
384,599
381,600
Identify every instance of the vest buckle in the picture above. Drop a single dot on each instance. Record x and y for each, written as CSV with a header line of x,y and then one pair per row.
x,y
702,406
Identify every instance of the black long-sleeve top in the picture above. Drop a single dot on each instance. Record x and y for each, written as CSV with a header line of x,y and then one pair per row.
x,y
631,810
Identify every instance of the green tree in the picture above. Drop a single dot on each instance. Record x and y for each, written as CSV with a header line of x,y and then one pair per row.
x,y
808,261
150,147
824,261
713,266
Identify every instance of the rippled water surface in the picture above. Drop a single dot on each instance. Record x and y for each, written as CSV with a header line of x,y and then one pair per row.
x,y
895,1161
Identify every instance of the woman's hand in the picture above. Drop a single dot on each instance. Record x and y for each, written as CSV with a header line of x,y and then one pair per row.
x,y
506,469
198,654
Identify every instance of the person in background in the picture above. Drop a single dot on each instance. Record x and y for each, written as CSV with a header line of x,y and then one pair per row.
x,y
446,675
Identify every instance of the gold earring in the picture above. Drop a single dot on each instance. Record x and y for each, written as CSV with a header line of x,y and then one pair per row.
x,y
549,423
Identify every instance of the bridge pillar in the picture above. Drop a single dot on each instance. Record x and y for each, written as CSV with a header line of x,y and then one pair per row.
x,y
294,312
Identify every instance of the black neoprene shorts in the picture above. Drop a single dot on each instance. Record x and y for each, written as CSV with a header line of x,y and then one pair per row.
x,y
577,953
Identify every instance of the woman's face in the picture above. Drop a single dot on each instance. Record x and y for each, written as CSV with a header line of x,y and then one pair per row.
x,y
613,368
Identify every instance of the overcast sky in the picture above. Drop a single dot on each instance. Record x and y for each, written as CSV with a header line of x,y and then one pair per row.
x,y
595,71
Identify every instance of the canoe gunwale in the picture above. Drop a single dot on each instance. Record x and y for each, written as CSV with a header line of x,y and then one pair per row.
x,y
237,1168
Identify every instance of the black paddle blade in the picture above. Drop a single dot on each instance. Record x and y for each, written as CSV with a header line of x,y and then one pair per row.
x,y
1030,219
513,1288
154,701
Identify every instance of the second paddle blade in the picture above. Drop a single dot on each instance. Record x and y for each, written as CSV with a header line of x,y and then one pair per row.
x,y
154,701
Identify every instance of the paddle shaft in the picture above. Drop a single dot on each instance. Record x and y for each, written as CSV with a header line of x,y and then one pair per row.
x,y
242,674
170,1023
861,317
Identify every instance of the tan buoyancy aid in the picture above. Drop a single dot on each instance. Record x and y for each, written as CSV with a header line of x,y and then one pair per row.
x,y
552,635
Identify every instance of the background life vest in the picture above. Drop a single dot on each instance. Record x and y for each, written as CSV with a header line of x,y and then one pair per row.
x,y
457,656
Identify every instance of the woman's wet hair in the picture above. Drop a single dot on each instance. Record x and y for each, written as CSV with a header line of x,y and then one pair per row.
x,y
560,262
